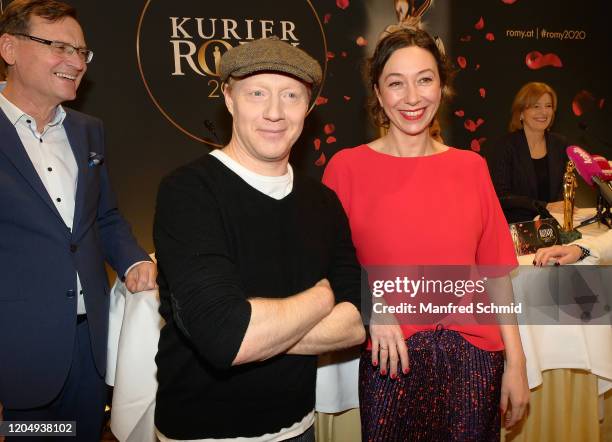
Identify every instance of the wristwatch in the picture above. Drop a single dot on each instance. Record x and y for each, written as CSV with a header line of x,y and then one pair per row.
x,y
584,252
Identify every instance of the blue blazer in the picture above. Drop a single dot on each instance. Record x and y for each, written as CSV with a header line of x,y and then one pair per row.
x,y
39,259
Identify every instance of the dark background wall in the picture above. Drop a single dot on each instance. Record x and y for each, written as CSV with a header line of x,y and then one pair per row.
x,y
143,145
574,38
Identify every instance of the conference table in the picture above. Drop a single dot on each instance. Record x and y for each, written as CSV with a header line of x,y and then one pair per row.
x,y
569,370
569,365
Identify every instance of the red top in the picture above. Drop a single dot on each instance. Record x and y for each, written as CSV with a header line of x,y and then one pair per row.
x,y
433,210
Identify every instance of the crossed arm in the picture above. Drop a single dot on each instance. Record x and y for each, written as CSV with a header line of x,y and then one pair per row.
x,y
307,323
199,278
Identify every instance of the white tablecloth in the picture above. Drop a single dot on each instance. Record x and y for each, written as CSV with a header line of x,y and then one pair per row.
x,y
337,381
133,335
586,347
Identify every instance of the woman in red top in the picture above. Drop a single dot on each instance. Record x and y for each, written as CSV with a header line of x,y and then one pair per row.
x,y
411,200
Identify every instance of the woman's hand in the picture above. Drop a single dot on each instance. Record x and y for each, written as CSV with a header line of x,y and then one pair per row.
x,y
514,394
560,254
388,349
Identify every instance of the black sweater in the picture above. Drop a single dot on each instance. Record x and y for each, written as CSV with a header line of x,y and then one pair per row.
x,y
219,242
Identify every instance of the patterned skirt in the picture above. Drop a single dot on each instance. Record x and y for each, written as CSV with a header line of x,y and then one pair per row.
x,y
451,393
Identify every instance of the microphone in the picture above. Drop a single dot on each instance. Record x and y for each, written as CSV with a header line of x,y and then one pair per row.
x,y
602,162
604,187
606,169
586,166
591,171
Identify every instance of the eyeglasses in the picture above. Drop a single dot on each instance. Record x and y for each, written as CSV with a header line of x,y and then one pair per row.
x,y
61,48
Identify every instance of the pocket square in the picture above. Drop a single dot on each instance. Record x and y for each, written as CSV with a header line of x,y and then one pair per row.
x,y
95,159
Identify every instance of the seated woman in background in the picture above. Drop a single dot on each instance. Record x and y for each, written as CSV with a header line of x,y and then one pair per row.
x,y
527,165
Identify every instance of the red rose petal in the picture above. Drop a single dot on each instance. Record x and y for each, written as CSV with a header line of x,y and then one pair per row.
x,y
321,100
330,55
470,125
508,2
460,113
465,38
490,36
326,18
321,160
330,140
462,62
533,60
476,144
480,24
537,60
582,102
317,144
552,60
347,98
329,129
342,4
483,92
361,41
601,103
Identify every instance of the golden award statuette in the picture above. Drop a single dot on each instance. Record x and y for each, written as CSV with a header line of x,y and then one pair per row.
x,y
568,234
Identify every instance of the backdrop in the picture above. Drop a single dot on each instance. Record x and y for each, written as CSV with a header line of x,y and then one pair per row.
x,y
154,76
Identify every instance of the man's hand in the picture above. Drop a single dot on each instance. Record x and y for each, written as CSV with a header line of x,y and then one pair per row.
x,y
323,283
141,277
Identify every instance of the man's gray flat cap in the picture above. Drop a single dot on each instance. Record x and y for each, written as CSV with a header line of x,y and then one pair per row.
x,y
270,55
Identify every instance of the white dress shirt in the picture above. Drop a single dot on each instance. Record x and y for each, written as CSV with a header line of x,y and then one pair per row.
x,y
52,157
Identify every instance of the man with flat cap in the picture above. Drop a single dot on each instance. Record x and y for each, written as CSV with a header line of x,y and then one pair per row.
x,y
258,273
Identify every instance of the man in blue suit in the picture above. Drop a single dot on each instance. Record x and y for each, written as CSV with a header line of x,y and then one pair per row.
x,y
58,224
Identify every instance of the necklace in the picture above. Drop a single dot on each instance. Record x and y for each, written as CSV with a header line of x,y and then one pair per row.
x,y
537,149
